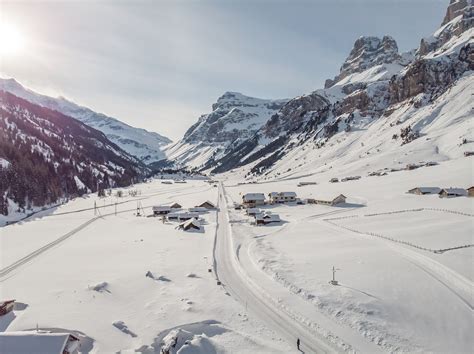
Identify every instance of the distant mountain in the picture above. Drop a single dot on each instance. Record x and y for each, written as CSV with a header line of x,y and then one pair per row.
x,y
46,155
145,145
375,84
234,118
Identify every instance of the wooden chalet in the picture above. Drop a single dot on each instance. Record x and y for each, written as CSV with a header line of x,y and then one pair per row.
x,y
425,190
282,197
452,192
251,200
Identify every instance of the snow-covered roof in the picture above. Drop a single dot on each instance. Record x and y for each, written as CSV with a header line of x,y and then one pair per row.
x,y
191,223
183,214
283,194
253,196
267,217
454,191
161,208
198,209
327,196
208,203
33,342
427,190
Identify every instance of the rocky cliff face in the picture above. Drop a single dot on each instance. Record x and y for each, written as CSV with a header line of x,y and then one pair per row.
x,y
367,53
373,83
234,119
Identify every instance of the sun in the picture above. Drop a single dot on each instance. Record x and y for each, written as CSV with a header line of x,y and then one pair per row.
x,y
11,40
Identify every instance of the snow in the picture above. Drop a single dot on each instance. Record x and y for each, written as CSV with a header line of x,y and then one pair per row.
x,y
56,282
384,241
4,163
33,342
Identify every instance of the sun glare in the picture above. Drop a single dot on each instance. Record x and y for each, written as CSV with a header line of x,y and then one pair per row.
x,y
11,40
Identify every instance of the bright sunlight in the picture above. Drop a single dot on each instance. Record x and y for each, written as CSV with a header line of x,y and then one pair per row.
x,y
11,40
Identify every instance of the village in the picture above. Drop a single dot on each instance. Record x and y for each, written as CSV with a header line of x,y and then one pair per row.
x,y
282,226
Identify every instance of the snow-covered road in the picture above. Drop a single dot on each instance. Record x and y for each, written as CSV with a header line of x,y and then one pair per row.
x,y
237,285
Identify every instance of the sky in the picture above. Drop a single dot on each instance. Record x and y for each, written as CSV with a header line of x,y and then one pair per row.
x,y
159,64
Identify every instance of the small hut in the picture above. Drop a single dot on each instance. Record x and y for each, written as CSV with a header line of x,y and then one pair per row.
x,y
175,206
191,225
266,218
207,204
161,210
452,192
425,190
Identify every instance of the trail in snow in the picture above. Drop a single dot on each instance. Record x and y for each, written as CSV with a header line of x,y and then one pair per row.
x,y
30,257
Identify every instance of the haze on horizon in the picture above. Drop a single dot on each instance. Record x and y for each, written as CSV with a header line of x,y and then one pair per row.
x,y
160,64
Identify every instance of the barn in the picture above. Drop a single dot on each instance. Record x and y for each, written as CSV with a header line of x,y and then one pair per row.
x,y
341,198
425,190
452,192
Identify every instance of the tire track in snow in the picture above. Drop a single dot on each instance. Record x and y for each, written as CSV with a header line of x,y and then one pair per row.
x,y
237,283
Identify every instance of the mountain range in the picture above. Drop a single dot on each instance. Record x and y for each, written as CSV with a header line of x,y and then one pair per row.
x,y
386,107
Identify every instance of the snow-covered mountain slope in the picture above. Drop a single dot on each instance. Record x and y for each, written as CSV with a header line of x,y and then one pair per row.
x,y
234,118
145,145
46,156
402,95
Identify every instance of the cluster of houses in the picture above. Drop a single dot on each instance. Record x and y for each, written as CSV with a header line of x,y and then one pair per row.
x,y
252,201
189,219
444,192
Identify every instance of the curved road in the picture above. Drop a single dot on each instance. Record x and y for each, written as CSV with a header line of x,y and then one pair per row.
x,y
235,283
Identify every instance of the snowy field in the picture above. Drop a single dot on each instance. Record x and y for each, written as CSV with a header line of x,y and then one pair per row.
x,y
94,280
390,292
83,270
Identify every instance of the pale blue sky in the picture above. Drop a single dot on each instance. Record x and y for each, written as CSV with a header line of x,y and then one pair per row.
x,y
160,64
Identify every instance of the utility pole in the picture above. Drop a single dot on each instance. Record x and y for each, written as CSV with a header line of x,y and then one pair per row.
x,y
95,208
334,281
115,208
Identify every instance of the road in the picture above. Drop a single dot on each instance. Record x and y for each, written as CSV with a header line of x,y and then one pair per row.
x,y
235,283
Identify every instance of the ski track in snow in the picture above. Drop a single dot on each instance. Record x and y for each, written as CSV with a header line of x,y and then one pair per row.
x,y
30,257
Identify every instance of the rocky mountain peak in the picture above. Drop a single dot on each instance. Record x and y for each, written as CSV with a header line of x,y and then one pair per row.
x,y
458,19
455,8
367,52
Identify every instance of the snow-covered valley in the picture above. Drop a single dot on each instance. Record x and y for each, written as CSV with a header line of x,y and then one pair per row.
x,y
274,278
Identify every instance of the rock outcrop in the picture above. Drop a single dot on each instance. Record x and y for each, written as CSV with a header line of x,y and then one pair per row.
x,y
366,53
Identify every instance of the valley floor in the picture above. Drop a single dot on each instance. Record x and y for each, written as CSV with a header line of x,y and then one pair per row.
x,y
404,285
